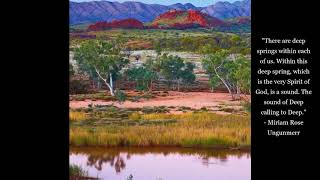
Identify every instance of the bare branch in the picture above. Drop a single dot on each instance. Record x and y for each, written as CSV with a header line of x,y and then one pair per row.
x,y
97,71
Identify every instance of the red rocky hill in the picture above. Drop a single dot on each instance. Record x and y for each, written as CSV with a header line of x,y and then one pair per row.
x,y
185,19
173,19
125,24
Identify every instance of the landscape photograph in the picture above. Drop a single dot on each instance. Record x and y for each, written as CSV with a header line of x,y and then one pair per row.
x,y
160,90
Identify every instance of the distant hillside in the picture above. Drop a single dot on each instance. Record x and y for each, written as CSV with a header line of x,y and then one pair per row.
x,y
175,19
179,19
95,11
236,25
124,24
224,10
245,20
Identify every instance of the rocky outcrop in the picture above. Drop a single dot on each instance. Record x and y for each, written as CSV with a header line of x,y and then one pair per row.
x,y
203,19
179,19
123,24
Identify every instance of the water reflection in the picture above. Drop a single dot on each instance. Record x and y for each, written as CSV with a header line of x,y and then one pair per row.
x,y
98,160
102,160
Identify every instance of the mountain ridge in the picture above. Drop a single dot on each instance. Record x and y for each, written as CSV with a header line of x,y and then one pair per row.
x,y
175,19
180,19
97,11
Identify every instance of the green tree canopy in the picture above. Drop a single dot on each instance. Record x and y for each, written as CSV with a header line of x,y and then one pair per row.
x,y
234,74
143,77
174,69
102,59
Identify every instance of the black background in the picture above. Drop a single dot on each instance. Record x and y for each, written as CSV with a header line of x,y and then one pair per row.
x,y
36,85
289,157
35,75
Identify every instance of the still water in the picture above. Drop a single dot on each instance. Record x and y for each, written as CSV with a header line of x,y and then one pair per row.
x,y
162,163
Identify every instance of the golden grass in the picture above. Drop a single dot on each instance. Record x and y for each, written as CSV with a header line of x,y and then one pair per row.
x,y
192,130
77,116
188,116
135,116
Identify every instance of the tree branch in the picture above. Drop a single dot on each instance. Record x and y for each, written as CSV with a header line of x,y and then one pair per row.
x,y
105,80
97,71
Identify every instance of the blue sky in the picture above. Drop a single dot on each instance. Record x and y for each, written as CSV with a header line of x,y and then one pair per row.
x,y
198,3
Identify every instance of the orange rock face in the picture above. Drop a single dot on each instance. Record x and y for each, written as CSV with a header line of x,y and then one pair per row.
x,y
186,19
172,14
197,17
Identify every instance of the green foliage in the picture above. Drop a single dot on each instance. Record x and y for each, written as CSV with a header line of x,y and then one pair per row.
x,y
75,170
101,55
190,40
234,74
121,96
142,76
233,43
157,48
173,68
100,59
213,62
240,72
247,106
187,74
245,28
214,82
206,49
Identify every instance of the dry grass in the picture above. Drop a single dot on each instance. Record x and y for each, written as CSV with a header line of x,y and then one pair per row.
x,y
192,130
77,116
135,116
139,44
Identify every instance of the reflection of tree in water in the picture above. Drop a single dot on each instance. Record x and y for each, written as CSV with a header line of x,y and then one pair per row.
x,y
116,156
119,164
114,160
128,156
206,160
220,158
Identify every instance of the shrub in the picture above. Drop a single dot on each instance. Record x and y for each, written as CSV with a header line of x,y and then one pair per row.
x,y
247,106
78,87
203,109
121,96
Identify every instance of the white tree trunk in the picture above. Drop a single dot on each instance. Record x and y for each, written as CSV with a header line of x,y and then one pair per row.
x,y
111,90
238,92
105,81
111,85
225,83
99,84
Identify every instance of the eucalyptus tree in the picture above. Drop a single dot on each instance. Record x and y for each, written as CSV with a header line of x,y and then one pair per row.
x,y
102,59
234,74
